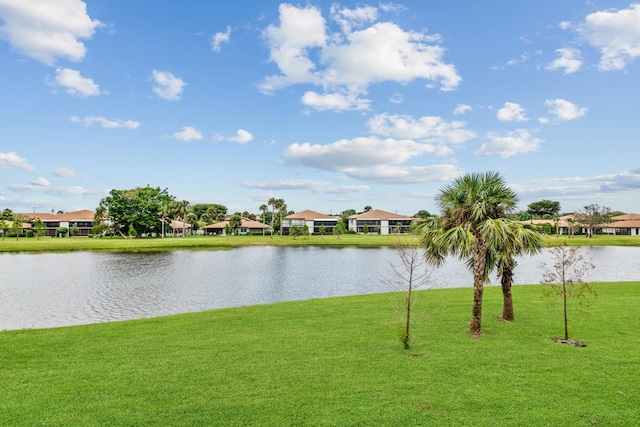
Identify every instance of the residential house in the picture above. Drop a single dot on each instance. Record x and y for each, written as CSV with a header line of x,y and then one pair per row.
x,y
181,227
9,225
247,226
380,222
313,220
564,224
81,220
624,225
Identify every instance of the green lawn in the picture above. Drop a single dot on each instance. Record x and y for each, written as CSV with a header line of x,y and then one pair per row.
x,y
218,242
334,362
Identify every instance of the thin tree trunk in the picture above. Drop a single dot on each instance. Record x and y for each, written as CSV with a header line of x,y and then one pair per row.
x,y
408,323
506,282
564,302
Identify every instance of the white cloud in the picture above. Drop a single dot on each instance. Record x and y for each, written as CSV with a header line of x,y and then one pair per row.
x,y
38,187
65,172
13,161
188,133
511,112
569,60
508,144
523,58
626,180
167,86
300,29
106,123
324,187
389,174
335,101
349,61
242,137
429,128
385,52
47,30
616,34
564,110
358,152
462,109
396,98
218,39
392,7
73,83
350,18
578,187
42,182
565,25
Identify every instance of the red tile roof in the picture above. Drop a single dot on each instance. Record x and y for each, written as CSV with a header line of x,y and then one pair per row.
x,y
626,217
81,215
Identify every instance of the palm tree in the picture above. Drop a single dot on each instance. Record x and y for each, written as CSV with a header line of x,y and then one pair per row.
x,y
3,227
517,239
164,212
282,209
272,202
263,208
181,210
571,229
235,222
467,228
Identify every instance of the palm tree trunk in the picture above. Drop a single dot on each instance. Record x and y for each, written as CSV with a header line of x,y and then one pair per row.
x,y
506,281
479,262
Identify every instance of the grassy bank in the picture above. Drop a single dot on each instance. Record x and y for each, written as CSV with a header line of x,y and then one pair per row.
x,y
218,242
334,362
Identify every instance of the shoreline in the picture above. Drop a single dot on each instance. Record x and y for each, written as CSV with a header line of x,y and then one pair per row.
x,y
117,244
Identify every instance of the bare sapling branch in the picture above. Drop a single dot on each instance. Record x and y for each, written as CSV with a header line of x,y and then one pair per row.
x,y
564,281
409,271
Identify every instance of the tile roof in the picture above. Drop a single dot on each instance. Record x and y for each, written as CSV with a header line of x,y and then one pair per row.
x,y
180,224
246,223
630,223
626,217
379,214
81,215
309,215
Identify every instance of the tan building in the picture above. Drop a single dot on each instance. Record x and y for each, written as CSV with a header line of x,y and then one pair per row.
x,y
380,222
247,226
313,220
623,225
81,220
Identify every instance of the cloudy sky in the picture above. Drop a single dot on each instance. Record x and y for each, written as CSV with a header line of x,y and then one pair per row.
x,y
330,106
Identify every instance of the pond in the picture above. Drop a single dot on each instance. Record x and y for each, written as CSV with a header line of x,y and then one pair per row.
x,y
52,289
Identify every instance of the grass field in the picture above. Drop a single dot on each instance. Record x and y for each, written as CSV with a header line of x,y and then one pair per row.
x,y
218,242
334,362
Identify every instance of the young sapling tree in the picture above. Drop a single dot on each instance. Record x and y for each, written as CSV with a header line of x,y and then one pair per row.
x,y
564,280
409,272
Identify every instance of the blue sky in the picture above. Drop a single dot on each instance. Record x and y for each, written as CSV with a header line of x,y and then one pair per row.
x,y
328,105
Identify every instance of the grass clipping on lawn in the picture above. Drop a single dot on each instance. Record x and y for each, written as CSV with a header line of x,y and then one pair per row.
x,y
334,361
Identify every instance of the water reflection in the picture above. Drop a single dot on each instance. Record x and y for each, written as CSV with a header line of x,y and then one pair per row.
x,y
45,290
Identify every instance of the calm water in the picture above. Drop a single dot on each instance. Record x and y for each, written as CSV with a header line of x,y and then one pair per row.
x,y
47,290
